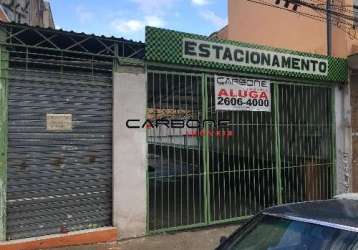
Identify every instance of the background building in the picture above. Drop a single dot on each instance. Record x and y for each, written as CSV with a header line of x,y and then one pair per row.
x,y
31,12
303,29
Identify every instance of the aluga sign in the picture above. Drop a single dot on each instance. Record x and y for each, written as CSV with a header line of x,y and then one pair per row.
x,y
233,93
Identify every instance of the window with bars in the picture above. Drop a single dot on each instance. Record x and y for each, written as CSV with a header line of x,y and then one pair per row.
x,y
355,13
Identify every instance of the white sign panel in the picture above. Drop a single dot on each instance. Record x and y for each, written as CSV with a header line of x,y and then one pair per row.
x,y
250,57
233,93
59,122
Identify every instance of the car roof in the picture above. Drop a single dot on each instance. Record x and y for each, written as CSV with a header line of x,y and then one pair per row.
x,y
338,213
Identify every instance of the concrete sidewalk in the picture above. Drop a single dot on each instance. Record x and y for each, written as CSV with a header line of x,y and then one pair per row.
x,y
198,239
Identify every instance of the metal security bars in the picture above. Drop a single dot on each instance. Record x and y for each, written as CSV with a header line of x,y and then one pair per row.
x,y
306,142
175,160
4,59
22,35
195,178
242,168
59,180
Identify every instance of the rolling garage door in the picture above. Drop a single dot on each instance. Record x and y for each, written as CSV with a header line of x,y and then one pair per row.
x,y
59,152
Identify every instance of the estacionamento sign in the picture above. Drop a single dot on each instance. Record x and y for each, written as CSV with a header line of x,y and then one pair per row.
x,y
230,54
171,47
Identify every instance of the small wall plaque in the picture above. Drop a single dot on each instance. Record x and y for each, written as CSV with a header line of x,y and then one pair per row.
x,y
59,122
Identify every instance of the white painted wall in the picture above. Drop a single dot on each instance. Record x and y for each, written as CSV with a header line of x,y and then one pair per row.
x,y
129,152
343,139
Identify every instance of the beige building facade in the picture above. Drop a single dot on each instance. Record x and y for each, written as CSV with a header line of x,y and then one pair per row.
x,y
297,30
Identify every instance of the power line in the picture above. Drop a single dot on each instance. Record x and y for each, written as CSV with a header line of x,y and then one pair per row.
x,y
315,17
342,16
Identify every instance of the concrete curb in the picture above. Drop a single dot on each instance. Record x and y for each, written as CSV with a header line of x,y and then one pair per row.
x,y
91,236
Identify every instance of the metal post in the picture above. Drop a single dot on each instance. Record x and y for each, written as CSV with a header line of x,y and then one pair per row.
x,y
204,86
116,58
277,145
334,159
3,140
329,28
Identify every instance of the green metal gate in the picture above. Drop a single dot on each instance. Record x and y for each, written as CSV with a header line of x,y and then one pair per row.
x,y
194,179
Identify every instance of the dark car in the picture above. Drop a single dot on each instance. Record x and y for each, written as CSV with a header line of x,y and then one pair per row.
x,y
329,224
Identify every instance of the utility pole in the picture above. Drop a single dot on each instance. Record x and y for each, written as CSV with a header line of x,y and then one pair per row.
x,y
328,11
329,28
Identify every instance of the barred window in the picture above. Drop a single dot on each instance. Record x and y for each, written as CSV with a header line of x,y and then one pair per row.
x,y
355,13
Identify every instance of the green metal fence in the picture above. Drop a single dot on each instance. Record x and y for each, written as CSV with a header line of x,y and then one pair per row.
x,y
286,155
175,162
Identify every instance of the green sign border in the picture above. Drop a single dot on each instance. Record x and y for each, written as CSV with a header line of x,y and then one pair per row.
x,y
165,46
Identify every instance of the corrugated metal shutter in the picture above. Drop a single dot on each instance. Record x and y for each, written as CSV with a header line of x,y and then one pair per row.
x,y
58,181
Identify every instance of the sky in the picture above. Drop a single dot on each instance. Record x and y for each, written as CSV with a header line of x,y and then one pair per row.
x,y
127,18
